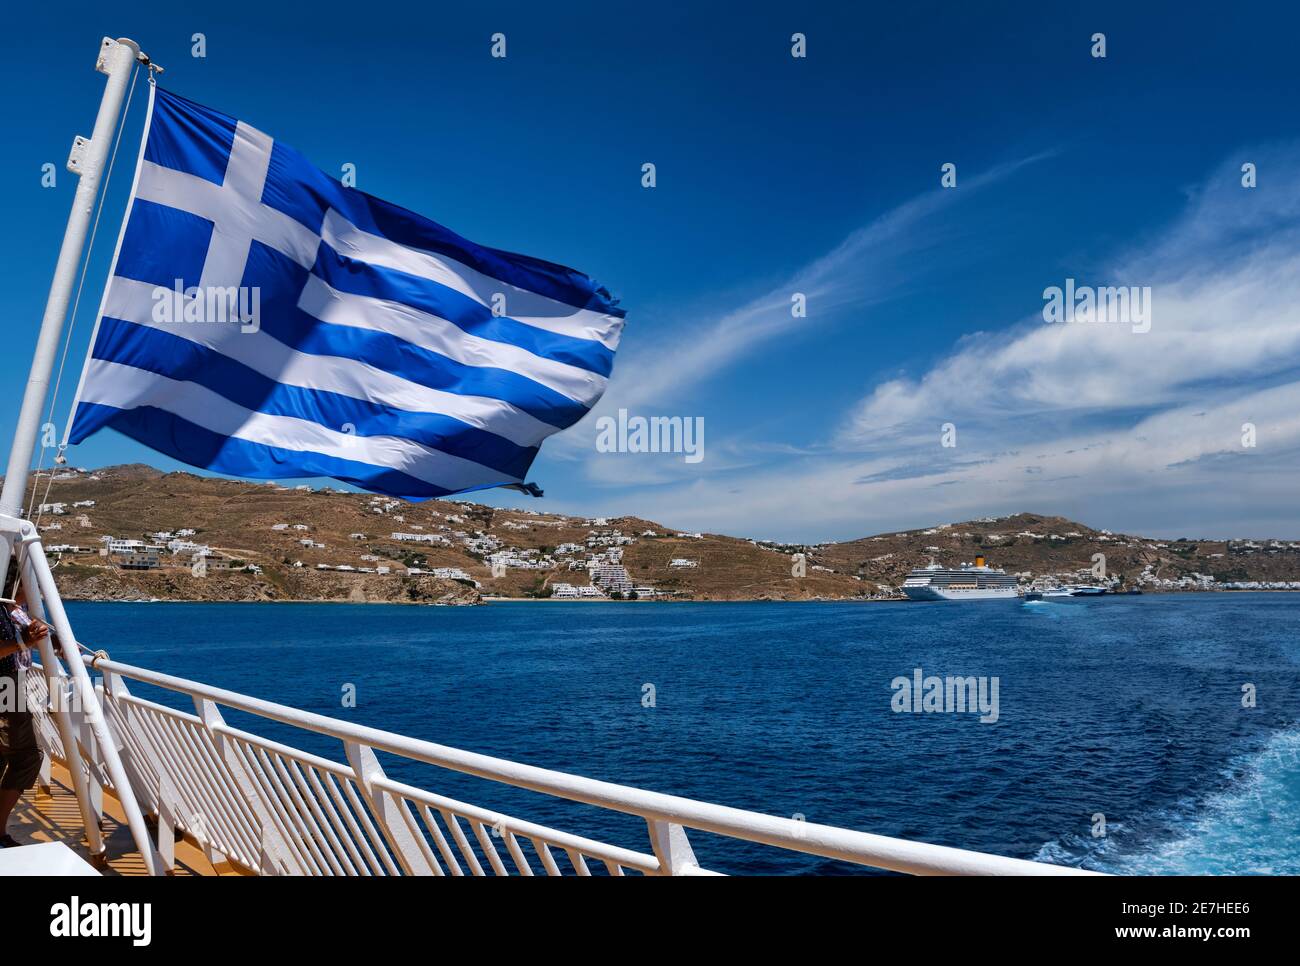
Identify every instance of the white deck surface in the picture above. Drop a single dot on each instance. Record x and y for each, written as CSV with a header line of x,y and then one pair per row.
x,y
45,858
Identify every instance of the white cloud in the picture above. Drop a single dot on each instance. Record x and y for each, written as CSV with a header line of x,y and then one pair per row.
x,y
1181,472
1133,431
1225,307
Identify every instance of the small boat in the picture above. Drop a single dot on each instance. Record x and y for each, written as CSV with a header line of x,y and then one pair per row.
x,y
1061,594
1088,590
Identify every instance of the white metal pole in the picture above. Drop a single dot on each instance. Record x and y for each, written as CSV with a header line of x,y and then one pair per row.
x,y
90,709
117,58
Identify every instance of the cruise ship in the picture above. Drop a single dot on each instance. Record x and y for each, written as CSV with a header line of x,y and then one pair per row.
x,y
978,582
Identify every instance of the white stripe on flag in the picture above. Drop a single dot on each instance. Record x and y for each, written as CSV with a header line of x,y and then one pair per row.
x,y
125,387
133,301
320,300
521,305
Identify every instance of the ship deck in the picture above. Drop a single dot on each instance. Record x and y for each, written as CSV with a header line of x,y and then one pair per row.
x,y
53,816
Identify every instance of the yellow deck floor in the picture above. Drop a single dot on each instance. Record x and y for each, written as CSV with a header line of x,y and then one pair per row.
x,y
55,817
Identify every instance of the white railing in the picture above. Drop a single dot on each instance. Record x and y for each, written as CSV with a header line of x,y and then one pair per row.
x,y
269,808
89,741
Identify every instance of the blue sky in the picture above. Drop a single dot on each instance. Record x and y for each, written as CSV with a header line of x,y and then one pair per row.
x,y
820,175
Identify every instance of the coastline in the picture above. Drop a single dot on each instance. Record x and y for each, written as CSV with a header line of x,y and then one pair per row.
x,y
591,600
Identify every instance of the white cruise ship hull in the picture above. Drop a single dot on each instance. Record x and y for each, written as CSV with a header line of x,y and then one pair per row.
x,y
950,593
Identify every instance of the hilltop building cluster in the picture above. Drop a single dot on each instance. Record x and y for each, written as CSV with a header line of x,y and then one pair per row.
x,y
526,552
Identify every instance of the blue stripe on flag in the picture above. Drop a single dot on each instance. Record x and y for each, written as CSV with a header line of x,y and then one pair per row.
x,y
301,332
176,358
522,271
197,446
375,281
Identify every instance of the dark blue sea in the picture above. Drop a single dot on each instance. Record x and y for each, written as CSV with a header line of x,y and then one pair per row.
x,y
1129,708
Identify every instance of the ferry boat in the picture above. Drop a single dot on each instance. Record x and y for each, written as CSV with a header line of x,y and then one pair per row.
x,y
967,582
1079,592
140,787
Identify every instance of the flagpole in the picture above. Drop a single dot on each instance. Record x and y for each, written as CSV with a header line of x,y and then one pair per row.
x,y
117,58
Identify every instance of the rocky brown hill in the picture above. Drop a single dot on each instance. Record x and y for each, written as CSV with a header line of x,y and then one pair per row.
x,y
237,520
1037,545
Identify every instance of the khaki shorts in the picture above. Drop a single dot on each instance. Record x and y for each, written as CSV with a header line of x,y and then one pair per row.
x,y
20,755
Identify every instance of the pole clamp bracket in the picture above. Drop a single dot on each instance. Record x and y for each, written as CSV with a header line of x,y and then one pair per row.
x,y
105,45
77,155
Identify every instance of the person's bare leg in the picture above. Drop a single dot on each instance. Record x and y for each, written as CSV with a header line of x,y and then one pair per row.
x,y
8,799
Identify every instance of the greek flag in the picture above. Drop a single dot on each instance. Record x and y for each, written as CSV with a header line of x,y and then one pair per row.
x,y
264,320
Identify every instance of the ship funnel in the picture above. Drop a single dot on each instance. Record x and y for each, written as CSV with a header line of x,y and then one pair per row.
x,y
979,560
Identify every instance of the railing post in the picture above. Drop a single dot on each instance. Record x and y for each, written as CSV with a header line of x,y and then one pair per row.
x,y
166,821
275,858
94,762
45,777
111,691
671,848
396,826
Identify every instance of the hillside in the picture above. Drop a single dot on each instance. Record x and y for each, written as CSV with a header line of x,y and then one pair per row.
x,y
1047,546
290,534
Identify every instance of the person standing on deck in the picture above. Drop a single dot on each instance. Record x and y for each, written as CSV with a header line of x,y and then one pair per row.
x,y
20,756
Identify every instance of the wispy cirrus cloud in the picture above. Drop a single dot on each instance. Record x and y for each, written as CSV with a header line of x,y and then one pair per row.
x,y
1138,431
1179,472
874,263
866,267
